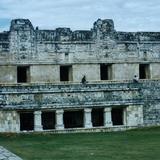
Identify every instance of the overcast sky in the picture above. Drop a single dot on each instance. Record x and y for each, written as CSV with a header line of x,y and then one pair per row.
x,y
128,15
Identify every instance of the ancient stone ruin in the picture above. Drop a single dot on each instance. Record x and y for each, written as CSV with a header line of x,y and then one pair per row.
x,y
62,80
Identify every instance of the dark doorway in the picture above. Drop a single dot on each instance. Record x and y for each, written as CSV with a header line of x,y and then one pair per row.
x,y
73,119
97,117
22,74
144,72
48,120
26,121
106,71
65,73
117,116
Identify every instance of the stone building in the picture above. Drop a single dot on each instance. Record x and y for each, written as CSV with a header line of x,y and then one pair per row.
x,y
41,73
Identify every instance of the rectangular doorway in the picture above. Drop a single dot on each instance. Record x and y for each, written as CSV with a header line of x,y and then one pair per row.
x,y
65,73
23,75
106,71
97,117
144,71
26,121
48,120
117,116
73,119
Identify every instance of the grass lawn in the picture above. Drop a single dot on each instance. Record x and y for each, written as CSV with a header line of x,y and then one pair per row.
x,y
143,144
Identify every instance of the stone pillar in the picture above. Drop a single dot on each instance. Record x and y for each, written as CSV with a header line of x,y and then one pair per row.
x,y
37,121
59,119
125,116
87,118
107,117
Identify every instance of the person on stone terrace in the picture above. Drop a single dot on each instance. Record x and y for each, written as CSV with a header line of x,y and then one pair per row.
x,y
83,81
135,79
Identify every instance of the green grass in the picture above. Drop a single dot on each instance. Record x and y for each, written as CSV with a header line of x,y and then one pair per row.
x,y
141,144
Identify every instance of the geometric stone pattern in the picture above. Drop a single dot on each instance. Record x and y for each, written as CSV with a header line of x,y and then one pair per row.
x,y
43,53
7,155
135,96
41,95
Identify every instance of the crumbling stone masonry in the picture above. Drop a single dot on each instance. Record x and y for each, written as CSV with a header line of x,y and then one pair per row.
x,y
41,73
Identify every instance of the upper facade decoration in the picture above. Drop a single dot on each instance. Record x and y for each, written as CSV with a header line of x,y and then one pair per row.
x,y
102,43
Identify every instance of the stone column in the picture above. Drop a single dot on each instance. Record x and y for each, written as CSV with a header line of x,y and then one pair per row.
x,y
87,118
107,117
37,121
59,119
125,116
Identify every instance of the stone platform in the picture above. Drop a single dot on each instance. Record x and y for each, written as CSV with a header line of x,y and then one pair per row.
x,y
7,155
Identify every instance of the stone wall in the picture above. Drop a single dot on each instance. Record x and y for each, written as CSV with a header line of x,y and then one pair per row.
x,y
100,44
24,96
43,50
155,72
142,99
124,71
91,71
9,121
44,73
151,103
41,73
134,115
8,74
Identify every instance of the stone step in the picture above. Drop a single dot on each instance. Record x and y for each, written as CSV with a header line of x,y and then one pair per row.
x,y
7,155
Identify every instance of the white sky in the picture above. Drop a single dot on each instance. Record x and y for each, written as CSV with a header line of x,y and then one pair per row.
x,y
128,15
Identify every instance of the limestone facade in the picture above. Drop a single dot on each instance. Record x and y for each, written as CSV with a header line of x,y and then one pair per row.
x,y
41,73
